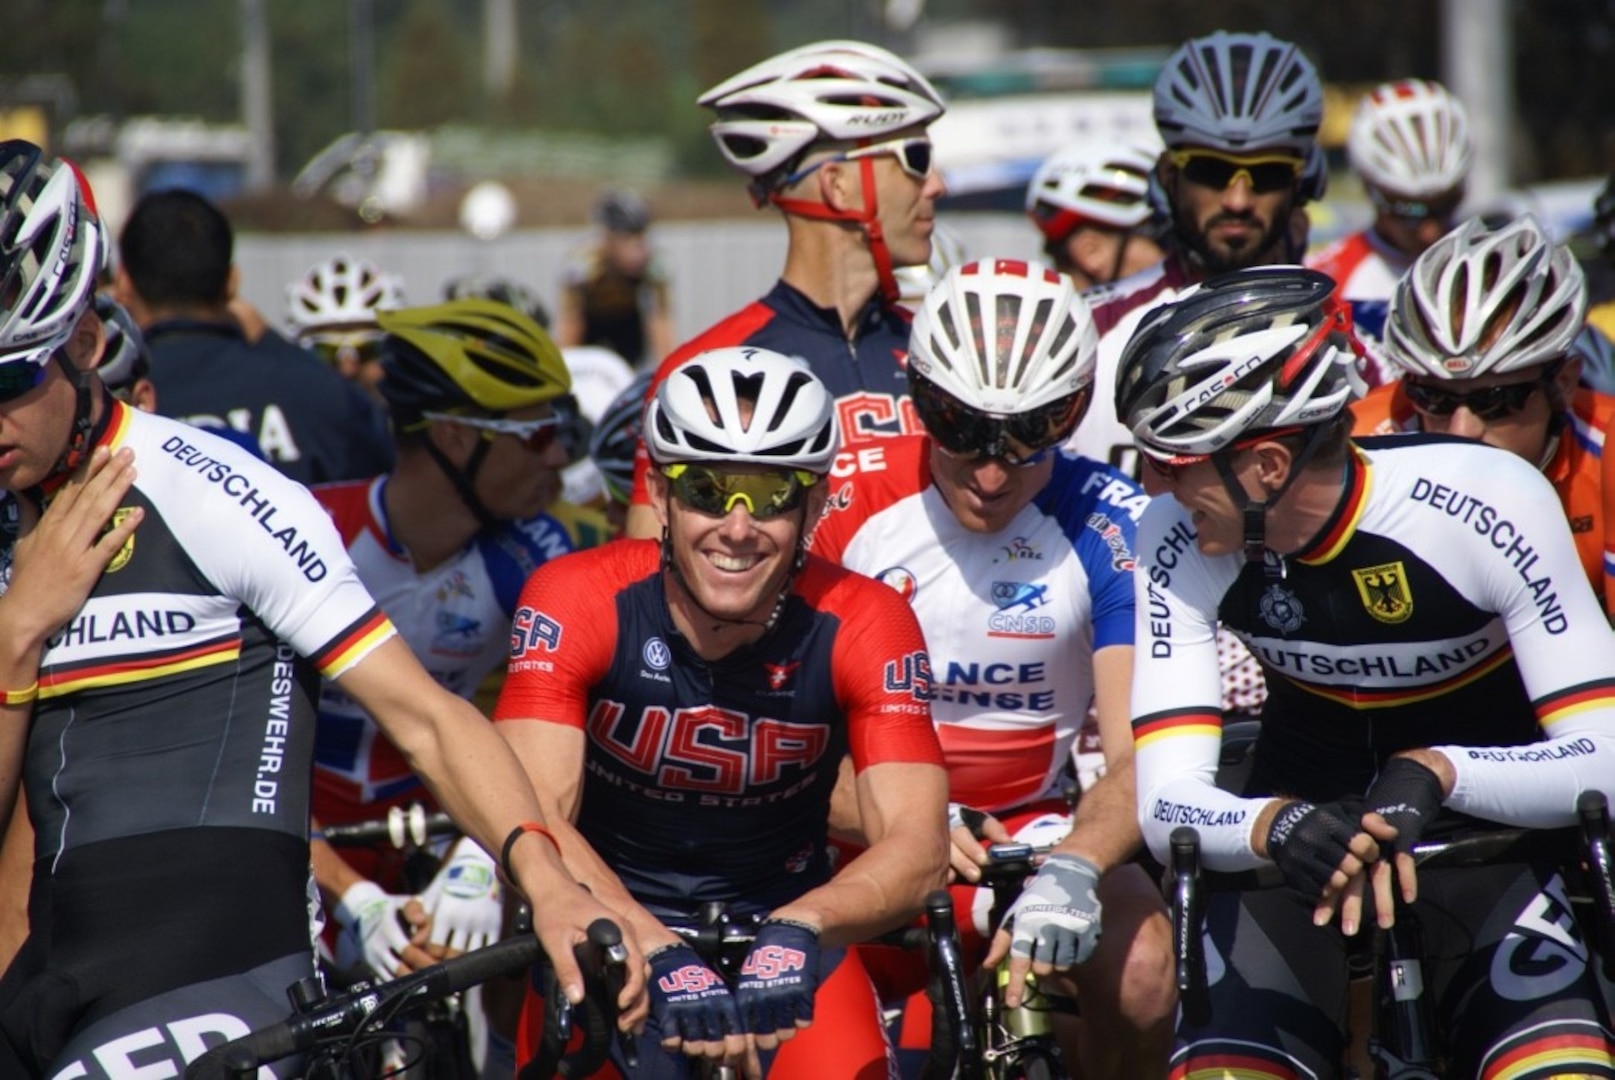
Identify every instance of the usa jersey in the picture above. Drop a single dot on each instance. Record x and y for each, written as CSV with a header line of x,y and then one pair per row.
x,y
711,780
1441,605
1011,619
1365,270
455,617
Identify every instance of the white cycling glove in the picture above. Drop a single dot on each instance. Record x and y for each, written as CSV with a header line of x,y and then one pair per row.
x,y
372,930
464,900
1056,918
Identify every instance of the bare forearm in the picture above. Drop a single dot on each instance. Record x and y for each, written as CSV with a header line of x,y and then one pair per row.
x,y
883,888
1105,829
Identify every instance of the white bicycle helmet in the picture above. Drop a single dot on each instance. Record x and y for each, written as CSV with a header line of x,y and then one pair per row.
x,y
125,357
1092,183
830,90
50,252
695,414
1239,93
1004,337
1256,350
1483,301
1411,137
340,291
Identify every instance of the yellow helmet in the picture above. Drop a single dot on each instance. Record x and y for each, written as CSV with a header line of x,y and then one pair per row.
x,y
467,355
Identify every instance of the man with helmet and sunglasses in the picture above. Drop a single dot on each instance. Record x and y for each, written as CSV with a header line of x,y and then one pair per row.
x,y
1410,143
833,135
1484,328
331,311
1017,558
160,713
444,542
1091,202
1432,653
689,710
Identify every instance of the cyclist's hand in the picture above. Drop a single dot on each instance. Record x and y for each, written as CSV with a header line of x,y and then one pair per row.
x,y
1320,847
464,901
372,928
692,1006
967,828
1053,925
778,981
1406,796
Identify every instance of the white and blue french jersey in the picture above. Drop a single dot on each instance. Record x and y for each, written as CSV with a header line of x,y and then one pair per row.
x,y
1011,619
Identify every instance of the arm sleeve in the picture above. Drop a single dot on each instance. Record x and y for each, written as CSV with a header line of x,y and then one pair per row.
x,y
882,677
561,641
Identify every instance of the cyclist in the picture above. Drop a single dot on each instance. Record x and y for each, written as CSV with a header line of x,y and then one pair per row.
x,y
833,135
177,279
1018,559
693,726
1484,327
443,542
503,289
160,714
1431,648
1409,142
331,311
1091,203
615,294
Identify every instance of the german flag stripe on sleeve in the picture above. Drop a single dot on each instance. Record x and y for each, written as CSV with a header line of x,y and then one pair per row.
x,y
67,680
1574,700
1157,726
345,650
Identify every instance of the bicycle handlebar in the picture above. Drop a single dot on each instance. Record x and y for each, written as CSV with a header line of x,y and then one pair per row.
x,y
411,827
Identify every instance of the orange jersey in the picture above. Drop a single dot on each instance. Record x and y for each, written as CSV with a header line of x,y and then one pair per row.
x,y
1586,484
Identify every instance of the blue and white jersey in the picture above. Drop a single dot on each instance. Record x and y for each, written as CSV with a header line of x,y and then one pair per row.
x,y
1011,618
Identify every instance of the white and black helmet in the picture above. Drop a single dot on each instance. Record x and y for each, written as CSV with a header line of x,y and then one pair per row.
x,y
1091,183
125,357
1484,301
831,90
1254,351
1238,93
340,291
51,249
1411,137
696,415
1004,337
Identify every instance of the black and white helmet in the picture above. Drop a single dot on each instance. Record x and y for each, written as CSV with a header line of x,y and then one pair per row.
x,y
1004,337
1099,183
1484,301
1239,93
51,249
1253,351
830,90
696,414
125,357
616,437
340,291
1411,137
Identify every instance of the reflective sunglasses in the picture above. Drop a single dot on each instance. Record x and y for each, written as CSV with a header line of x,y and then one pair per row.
x,y
21,377
766,495
1023,439
913,154
1266,173
1492,403
537,435
356,347
1414,211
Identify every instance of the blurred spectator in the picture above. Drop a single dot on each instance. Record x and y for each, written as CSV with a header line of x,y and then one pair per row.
x,y
331,310
177,278
615,293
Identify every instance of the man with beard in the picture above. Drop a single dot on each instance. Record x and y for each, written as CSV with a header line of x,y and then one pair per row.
x,y
1239,114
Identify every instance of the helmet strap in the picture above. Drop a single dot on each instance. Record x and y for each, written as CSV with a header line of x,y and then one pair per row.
x,y
464,481
82,438
1254,511
868,218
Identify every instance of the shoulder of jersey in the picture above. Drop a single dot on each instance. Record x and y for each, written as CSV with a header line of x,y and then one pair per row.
x,y
734,329
1110,303
1341,255
348,503
870,476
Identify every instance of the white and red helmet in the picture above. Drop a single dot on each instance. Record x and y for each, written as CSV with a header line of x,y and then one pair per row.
x,y
51,249
1411,137
1091,183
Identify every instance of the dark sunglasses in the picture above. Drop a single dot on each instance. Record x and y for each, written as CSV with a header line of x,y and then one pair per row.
x,y
1414,211
710,490
1266,173
1492,403
1023,439
1167,466
21,377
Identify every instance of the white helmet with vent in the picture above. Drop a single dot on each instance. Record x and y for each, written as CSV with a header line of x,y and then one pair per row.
x,y
1411,137
1092,183
1239,93
340,291
50,252
830,90
696,412
1483,301
1004,337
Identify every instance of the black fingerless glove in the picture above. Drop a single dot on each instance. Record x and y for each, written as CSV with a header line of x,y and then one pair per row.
x,y
1408,796
1309,841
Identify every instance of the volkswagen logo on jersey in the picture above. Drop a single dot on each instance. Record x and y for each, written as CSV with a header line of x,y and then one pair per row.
x,y
1281,610
657,655
900,579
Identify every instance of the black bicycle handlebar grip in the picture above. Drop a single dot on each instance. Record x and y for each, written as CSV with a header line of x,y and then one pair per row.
x,y
239,1059
1188,912
606,937
952,1023
509,957
598,1011
1593,809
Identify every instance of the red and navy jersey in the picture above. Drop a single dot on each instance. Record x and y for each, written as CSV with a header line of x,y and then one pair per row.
x,y
864,373
711,780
